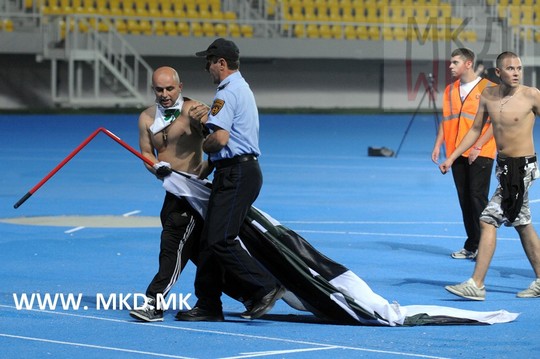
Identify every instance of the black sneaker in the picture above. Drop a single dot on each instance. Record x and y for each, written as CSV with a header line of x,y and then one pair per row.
x,y
265,304
198,314
148,312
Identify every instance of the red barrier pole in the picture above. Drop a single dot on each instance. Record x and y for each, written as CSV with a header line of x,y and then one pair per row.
x,y
73,153
126,146
57,168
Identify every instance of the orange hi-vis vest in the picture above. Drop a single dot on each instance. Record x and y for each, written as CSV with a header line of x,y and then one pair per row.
x,y
458,117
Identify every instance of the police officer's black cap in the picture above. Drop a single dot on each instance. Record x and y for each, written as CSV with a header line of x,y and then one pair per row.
x,y
221,48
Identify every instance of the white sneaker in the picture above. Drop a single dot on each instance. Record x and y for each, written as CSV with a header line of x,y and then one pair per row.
x,y
464,254
468,290
532,292
148,312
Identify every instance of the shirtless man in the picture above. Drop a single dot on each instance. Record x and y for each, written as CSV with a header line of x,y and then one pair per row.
x,y
512,108
170,135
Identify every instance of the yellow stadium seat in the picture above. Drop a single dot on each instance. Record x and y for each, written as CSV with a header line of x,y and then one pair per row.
x,y
310,13
120,26
170,28
234,30
154,9
526,34
299,31
102,26
473,37
178,11
362,33
82,25
166,10
325,32
374,33
133,27
229,15
515,15
270,7
216,14
246,30
334,11
527,17
347,15
208,29
182,28
312,31
196,29
337,31
65,7
445,10
221,30
192,14
128,9
214,5
116,11
157,27
204,14
350,32
145,27
372,14
387,33
359,13
295,11
322,12
399,33
7,24
190,5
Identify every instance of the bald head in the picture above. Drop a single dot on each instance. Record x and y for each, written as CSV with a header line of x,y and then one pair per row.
x,y
166,85
165,73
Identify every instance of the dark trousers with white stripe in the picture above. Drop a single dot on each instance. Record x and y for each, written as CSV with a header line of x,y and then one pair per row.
x,y
182,227
234,189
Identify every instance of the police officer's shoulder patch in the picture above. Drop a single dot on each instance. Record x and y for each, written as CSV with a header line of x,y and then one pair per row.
x,y
217,106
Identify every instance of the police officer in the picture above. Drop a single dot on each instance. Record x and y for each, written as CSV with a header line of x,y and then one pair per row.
x,y
233,148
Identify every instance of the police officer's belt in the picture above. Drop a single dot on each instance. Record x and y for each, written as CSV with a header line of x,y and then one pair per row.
x,y
234,160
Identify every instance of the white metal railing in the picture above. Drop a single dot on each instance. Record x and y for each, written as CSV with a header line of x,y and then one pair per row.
x,y
116,66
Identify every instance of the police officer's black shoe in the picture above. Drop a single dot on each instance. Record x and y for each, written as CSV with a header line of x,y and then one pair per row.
x,y
265,304
197,314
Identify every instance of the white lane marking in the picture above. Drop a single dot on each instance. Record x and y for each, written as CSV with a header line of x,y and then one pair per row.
x,y
391,234
249,336
277,352
131,213
61,342
74,229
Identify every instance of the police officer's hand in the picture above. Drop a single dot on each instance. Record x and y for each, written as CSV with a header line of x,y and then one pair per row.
x,y
198,112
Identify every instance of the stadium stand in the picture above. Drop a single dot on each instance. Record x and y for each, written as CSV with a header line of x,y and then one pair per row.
x,y
341,19
367,25
371,20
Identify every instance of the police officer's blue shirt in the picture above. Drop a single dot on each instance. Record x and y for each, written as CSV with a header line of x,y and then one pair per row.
x,y
234,110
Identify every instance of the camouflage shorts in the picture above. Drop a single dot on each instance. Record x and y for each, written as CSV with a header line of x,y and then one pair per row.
x,y
493,213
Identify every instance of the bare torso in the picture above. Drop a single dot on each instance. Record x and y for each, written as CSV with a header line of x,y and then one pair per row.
x,y
180,143
513,120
